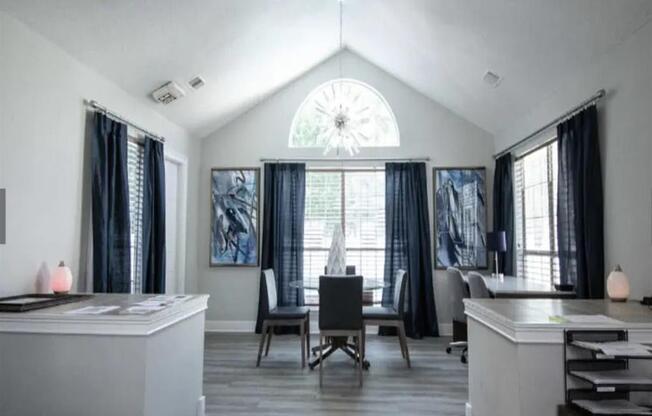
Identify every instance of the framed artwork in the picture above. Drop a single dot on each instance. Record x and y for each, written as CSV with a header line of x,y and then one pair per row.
x,y
234,217
460,210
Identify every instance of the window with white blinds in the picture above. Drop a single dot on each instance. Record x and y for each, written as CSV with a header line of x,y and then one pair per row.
x,y
135,160
535,184
355,199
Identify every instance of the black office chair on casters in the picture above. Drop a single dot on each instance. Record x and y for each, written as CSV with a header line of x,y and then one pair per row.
x,y
458,292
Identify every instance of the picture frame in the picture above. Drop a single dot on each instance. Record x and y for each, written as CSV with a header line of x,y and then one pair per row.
x,y
460,217
235,217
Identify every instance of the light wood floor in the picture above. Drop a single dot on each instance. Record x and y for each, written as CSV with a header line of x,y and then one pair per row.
x,y
436,384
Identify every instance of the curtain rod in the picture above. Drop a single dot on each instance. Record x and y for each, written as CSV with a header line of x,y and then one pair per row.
x,y
339,160
593,99
98,107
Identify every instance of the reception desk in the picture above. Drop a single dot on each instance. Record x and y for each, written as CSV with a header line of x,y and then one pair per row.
x,y
53,362
516,350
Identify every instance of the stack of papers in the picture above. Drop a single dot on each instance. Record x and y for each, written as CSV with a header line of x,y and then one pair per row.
x,y
617,348
92,310
612,407
156,303
612,377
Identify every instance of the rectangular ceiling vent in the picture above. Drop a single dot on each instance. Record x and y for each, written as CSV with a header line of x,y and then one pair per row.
x,y
168,93
492,79
197,82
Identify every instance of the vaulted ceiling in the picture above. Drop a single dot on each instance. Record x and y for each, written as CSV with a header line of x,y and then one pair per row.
x,y
246,49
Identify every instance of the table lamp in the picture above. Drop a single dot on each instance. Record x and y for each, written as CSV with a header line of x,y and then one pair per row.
x,y
618,285
497,242
61,279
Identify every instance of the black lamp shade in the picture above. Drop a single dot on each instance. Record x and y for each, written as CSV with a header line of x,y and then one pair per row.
x,y
497,241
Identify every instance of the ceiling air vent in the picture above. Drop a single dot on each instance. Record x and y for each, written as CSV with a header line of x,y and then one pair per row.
x,y
197,82
168,93
492,79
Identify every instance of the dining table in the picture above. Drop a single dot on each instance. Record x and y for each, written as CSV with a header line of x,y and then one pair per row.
x,y
338,343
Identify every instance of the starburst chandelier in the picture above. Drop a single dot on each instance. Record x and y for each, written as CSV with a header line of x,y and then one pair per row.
x,y
340,109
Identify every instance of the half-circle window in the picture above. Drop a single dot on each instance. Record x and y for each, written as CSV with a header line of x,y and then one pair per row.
x,y
344,113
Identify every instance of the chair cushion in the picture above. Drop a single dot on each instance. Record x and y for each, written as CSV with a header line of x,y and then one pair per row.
x,y
379,312
289,312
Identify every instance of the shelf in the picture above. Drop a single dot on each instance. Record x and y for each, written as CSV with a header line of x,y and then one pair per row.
x,y
615,349
611,380
612,407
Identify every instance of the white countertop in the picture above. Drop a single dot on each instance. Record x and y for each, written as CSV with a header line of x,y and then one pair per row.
x,y
528,320
56,320
510,286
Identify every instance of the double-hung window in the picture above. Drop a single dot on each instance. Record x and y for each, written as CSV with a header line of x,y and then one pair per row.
x,y
135,161
356,200
535,185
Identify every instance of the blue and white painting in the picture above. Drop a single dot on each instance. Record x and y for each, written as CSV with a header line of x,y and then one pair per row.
x,y
460,218
234,219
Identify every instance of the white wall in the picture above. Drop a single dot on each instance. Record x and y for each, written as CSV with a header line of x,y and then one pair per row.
x,y
42,145
626,146
427,129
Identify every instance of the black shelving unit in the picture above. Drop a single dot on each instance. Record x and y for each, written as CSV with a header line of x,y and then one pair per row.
x,y
601,380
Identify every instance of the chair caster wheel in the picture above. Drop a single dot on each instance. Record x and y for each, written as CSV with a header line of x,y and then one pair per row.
x,y
464,360
448,350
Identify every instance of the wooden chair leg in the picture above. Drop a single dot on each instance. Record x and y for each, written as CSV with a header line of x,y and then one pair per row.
x,y
262,343
400,339
401,332
308,336
321,363
270,330
358,342
364,342
302,333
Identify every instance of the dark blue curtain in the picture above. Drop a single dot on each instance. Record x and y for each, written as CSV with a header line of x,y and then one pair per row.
x,y
504,210
283,217
153,217
110,207
407,245
580,205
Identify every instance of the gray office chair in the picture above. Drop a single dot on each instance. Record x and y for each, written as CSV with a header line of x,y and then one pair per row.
x,y
390,316
340,314
477,286
458,292
275,315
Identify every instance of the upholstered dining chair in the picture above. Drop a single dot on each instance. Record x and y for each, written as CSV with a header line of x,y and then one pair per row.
x,y
275,316
458,291
367,295
340,314
391,316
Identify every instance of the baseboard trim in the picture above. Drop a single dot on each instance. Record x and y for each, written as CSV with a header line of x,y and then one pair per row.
x,y
230,326
445,330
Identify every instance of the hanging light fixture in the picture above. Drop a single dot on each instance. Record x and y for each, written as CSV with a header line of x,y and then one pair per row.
x,y
345,117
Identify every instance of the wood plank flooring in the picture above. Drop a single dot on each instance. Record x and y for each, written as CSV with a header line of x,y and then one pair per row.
x,y
436,384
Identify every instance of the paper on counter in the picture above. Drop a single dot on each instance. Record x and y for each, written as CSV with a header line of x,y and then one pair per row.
x,y
143,310
584,319
92,310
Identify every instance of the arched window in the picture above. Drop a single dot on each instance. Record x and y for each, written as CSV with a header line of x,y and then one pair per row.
x,y
344,113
